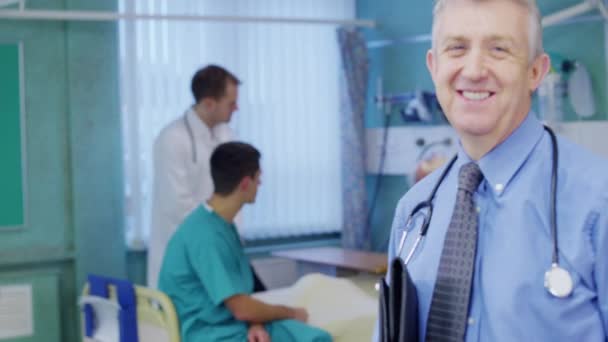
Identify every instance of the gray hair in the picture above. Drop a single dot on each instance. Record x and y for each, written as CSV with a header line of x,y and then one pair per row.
x,y
535,30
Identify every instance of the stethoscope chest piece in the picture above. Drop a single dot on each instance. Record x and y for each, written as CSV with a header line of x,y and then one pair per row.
x,y
558,282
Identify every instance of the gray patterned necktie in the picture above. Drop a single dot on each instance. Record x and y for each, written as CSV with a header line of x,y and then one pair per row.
x,y
450,303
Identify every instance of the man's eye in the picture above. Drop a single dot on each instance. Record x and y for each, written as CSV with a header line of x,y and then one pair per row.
x,y
455,47
500,49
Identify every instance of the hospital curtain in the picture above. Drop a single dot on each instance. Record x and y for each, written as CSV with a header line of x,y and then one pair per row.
x,y
355,233
289,103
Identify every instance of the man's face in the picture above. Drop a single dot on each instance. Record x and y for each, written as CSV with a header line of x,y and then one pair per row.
x,y
223,107
480,67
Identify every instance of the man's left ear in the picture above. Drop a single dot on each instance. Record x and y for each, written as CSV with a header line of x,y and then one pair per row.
x,y
430,63
245,184
209,103
540,68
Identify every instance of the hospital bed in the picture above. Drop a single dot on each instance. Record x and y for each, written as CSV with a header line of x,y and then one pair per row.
x,y
156,317
345,307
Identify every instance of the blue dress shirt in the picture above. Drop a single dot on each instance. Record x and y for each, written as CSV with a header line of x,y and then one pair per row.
x,y
509,301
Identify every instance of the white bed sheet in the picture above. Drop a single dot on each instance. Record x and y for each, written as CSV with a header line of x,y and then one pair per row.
x,y
338,305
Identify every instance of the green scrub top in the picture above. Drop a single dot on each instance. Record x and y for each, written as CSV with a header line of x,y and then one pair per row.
x,y
205,264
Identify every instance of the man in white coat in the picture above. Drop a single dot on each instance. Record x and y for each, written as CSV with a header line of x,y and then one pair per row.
x,y
182,176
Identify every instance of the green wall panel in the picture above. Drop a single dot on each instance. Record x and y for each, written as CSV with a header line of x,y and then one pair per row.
x,y
95,140
11,178
137,267
73,164
42,252
46,155
390,191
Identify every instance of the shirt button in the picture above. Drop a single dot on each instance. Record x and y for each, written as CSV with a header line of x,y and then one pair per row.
x,y
478,209
499,187
471,321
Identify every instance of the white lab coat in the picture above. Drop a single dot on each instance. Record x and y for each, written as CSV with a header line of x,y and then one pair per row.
x,y
180,183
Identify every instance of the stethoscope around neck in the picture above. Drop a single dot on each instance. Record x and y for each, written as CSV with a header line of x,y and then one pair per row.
x,y
191,137
558,281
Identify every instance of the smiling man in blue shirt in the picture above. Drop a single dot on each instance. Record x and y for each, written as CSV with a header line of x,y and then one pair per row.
x,y
486,60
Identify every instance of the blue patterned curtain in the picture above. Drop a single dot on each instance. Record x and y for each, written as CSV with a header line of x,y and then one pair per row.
x,y
353,51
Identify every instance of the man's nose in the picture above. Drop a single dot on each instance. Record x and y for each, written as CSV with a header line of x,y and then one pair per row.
x,y
475,67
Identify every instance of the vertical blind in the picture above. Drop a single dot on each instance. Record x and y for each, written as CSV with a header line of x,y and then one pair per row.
x,y
288,103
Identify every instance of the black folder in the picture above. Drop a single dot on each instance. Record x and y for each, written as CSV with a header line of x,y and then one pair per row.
x,y
398,306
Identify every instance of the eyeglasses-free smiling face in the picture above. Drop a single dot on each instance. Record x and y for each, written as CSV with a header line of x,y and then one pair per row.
x,y
482,67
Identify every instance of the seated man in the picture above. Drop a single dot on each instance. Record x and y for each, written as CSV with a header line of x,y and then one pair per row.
x,y
205,270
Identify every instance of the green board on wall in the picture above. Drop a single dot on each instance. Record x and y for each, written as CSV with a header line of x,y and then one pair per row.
x,y
12,209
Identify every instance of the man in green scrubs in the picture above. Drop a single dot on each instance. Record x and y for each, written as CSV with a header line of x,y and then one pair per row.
x,y
206,273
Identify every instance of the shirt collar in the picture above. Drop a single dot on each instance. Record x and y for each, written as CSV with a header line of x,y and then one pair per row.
x,y
503,161
207,206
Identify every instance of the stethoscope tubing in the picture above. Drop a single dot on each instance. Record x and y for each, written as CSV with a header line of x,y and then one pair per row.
x,y
554,167
191,136
428,204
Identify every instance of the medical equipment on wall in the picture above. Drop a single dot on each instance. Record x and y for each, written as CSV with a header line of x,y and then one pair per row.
x,y
423,107
580,91
432,156
415,106
571,81
558,281
551,93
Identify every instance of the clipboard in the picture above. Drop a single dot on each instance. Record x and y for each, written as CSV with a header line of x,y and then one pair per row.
x,y
398,301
